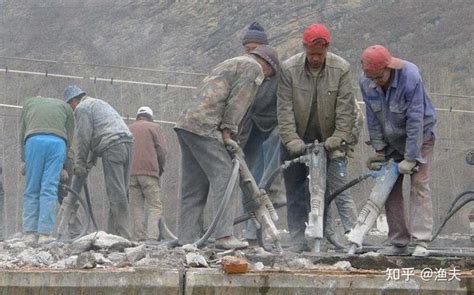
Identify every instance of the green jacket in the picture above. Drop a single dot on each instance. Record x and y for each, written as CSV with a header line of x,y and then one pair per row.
x,y
43,115
335,100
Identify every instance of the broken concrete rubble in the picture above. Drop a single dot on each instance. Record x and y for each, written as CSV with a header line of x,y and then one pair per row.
x,y
136,253
196,260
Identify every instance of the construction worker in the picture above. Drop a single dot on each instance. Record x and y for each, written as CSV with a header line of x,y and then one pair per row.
x,y
46,132
316,102
222,100
148,164
401,120
260,137
101,132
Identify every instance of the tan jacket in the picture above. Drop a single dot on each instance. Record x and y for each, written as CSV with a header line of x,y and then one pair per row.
x,y
335,99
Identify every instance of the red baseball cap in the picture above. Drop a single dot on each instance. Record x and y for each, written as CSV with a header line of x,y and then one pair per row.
x,y
376,57
314,32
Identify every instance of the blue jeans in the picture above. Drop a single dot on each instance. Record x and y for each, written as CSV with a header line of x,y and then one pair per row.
x,y
44,159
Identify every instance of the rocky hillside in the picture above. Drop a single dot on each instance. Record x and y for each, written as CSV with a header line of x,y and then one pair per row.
x,y
190,36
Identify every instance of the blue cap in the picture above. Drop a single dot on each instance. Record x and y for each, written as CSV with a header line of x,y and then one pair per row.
x,y
72,91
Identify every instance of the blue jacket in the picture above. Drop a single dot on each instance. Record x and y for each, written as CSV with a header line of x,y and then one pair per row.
x,y
402,119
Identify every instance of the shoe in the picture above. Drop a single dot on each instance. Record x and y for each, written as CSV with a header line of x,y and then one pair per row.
x,y
420,251
29,237
230,242
45,239
394,251
298,248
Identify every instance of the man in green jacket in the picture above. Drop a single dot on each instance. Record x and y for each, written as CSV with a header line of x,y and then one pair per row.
x,y
47,129
315,102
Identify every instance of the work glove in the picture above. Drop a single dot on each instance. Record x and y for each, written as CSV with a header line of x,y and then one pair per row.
x,y
80,171
373,162
406,166
333,143
232,146
23,168
296,147
64,176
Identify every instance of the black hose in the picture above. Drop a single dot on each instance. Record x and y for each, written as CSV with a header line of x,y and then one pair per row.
x,y
81,202
453,209
88,200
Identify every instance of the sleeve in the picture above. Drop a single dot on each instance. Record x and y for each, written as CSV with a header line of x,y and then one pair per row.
x,y
83,139
373,124
345,108
285,113
241,97
414,127
69,127
161,148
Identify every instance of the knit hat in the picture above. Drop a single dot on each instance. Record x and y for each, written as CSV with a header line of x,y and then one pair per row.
x,y
145,111
375,58
71,92
256,34
268,54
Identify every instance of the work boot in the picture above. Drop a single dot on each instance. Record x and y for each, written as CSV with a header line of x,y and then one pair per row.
x,y
299,248
29,237
394,251
230,242
420,251
45,239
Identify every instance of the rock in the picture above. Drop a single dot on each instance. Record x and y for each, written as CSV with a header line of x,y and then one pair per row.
x,y
117,258
30,257
82,244
371,254
86,260
57,251
196,260
18,245
100,259
136,253
147,261
106,241
300,263
69,262
258,266
343,265
189,248
233,264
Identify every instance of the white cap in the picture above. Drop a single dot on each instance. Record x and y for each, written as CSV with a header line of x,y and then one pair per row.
x,y
145,110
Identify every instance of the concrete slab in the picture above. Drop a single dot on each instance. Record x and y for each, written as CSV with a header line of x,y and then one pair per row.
x,y
120,281
215,282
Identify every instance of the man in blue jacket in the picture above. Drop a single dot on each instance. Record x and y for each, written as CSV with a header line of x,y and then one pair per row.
x,y
401,120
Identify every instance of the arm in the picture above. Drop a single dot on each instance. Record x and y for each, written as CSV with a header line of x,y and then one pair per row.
x,y
373,124
241,96
84,130
69,128
22,133
285,113
345,108
414,128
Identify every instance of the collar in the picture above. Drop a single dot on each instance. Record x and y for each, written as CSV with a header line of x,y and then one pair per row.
x,y
393,84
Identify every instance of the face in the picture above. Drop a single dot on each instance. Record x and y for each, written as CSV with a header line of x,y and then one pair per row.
x,y
73,103
316,55
250,46
380,78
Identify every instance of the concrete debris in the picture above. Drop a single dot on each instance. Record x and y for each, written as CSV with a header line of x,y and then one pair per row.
x,y
136,253
371,254
112,242
343,265
189,248
82,244
258,266
117,258
18,245
69,262
31,257
234,265
100,259
300,263
86,260
196,260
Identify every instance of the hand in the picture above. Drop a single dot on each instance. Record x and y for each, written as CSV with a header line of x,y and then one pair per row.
x,y
64,176
333,143
226,134
373,162
23,168
406,166
232,146
80,171
296,147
